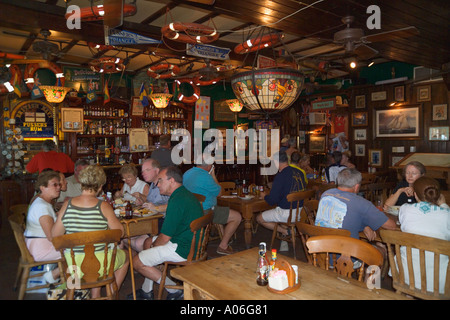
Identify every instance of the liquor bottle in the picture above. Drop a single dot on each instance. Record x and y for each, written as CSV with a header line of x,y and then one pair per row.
x,y
263,267
128,211
244,188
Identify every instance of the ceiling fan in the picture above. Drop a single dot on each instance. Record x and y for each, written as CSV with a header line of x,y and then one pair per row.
x,y
355,42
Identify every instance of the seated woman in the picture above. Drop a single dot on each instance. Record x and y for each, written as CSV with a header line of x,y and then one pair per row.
x,y
305,164
404,191
87,213
346,159
133,186
40,220
428,217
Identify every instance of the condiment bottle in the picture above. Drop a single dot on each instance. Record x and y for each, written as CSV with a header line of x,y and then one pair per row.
x,y
128,211
274,259
263,267
244,188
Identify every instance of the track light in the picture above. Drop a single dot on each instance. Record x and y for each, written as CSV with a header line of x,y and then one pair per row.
x,y
353,64
370,64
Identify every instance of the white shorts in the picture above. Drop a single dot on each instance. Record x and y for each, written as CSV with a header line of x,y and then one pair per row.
x,y
158,255
278,215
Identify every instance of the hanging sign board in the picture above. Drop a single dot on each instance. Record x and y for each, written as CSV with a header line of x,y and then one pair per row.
x,y
265,62
323,104
115,37
35,119
207,51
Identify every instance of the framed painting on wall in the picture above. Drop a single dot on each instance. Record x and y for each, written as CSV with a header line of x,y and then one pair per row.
x,y
439,112
359,119
399,93
360,150
423,93
360,102
439,134
398,123
376,157
222,111
317,143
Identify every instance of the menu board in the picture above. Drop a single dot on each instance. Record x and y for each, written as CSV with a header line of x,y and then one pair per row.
x,y
138,139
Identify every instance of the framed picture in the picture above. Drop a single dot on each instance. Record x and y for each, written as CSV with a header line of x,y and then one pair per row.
x,y
378,96
72,119
317,143
399,93
359,119
423,93
439,112
376,157
360,102
137,109
138,140
360,150
360,134
222,111
439,133
398,123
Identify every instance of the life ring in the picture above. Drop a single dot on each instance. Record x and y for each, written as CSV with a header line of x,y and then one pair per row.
x,y
191,99
258,43
193,33
107,65
100,47
172,69
199,82
31,69
94,13
13,69
12,56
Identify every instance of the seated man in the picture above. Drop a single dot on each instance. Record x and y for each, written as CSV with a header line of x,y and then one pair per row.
x,y
287,180
342,208
164,153
174,241
73,184
202,180
332,170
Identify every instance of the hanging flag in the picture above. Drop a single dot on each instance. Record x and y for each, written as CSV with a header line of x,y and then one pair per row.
x,y
106,96
59,84
91,96
143,96
36,92
16,86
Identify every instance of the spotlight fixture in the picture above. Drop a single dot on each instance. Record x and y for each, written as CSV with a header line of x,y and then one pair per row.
x,y
370,63
353,64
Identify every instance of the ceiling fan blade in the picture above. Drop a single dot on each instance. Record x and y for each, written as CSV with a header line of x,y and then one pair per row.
x,y
392,35
365,52
113,13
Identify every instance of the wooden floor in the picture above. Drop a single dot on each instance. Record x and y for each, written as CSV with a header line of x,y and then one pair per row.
x,y
9,255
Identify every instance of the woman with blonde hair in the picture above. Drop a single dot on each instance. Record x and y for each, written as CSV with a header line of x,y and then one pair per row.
x,y
87,213
404,191
133,187
346,155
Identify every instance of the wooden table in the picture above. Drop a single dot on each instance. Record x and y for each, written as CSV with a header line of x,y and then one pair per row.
x,y
246,208
233,277
136,227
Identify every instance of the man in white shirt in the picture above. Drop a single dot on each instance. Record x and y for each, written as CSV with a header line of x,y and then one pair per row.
x,y
73,185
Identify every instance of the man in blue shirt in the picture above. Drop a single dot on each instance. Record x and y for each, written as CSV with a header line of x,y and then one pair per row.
x,y
202,180
343,208
287,180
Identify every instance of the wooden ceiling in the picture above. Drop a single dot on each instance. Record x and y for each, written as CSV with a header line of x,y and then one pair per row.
x,y
308,26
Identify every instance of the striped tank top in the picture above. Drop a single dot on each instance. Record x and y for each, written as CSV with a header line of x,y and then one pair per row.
x,y
78,219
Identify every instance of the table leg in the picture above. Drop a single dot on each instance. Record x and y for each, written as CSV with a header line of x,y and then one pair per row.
x,y
247,217
130,254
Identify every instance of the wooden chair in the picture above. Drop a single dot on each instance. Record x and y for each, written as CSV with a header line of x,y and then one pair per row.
x,y
310,207
293,210
347,247
227,187
368,178
377,191
307,230
95,273
26,261
200,228
407,257
218,227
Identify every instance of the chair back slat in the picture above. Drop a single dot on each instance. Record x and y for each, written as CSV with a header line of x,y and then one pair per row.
x,y
418,250
17,222
347,247
310,207
89,241
200,228
294,199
